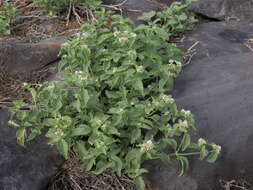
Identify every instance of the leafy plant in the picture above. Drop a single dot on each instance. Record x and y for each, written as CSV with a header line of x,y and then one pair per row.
x,y
7,17
175,19
112,106
53,7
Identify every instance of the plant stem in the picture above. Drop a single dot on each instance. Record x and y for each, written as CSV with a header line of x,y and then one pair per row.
x,y
184,154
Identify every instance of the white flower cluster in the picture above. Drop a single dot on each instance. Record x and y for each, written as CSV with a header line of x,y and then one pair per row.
x,y
168,99
147,146
186,112
216,148
65,44
140,69
78,72
175,63
80,75
25,84
123,40
131,53
114,70
201,142
59,133
174,66
124,36
183,124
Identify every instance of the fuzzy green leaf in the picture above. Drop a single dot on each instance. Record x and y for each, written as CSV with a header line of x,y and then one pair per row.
x,y
118,164
212,157
81,130
139,182
186,141
63,148
21,134
184,164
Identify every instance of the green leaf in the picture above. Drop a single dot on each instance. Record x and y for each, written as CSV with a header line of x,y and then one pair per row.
x,y
80,149
58,105
21,134
77,104
203,152
118,163
212,157
86,97
88,164
135,135
147,16
171,142
139,86
33,93
101,166
139,182
133,154
184,164
183,16
186,141
50,122
165,158
81,130
63,148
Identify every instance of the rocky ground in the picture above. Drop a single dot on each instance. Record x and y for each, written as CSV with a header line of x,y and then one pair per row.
x,y
216,85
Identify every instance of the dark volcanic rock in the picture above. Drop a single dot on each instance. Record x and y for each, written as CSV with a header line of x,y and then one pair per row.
x,y
224,9
29,168
18,57
217,86
134,8
218,38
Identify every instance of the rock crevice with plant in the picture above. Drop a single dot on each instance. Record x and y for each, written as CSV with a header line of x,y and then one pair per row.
x,y
112,106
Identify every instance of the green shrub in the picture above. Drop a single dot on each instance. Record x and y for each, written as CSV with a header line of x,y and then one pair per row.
x,y
175,19
7,17
53,7
112,106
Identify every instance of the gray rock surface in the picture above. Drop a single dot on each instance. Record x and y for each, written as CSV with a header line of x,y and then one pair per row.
x,y
135,8
29,168
215,39
217,86
18,57
224,9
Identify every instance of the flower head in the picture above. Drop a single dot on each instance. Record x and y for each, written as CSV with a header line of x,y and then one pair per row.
x,y
123,40
186,112
25,84
184,124
133,35
216,148
131,53
78,72
140,69
168,99
59,133
114,70
116,33
147,146
83,78
201,141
